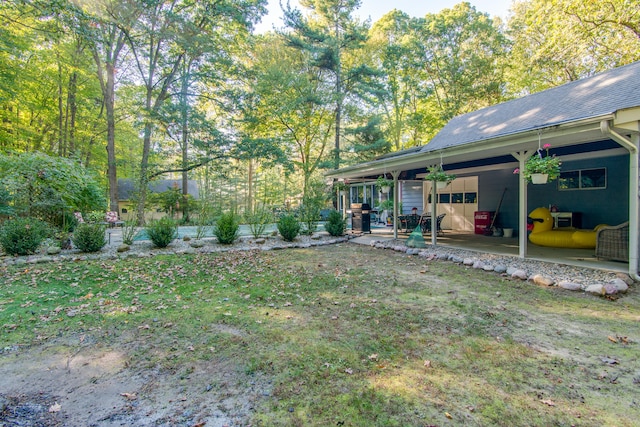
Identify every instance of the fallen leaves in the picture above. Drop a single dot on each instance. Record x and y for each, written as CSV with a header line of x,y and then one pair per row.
x,y
129,396
548,402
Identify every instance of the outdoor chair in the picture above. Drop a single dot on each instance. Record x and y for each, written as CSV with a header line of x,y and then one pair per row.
x,y
79,217
612,242
409,222
425,224
112,219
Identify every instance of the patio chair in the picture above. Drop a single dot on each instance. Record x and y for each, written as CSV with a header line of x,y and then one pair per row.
x,y
112,219
79,217
425,224
612,242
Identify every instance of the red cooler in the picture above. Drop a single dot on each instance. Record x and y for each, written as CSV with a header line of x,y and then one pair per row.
x,y
482,220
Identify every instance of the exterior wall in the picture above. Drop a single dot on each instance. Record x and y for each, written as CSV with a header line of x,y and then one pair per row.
x,y
411,196
605,206
148,215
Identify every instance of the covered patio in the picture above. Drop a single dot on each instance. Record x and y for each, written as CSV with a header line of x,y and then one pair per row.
x,y
593,125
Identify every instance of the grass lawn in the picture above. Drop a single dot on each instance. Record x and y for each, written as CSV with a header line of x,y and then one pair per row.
x,y
344,335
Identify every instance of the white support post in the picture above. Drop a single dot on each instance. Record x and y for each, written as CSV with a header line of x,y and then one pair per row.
x,y
522,157
434,213
395,175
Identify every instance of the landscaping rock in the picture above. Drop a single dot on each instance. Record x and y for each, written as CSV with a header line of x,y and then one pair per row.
x,y
468,261
596,289
541,280
479,265
570,286
610,289
519,274
197,244
123,248
53,250
500,268
260,241
620,284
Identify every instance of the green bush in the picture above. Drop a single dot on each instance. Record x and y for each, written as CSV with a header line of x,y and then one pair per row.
x,y
161,232
288,227
22,236
335,225
129,230
89,237
227,228
258,221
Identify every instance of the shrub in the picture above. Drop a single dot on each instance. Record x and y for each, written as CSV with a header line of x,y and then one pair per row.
x,y
161,232
22,236
258,221
89,237
129,230
288,227
227,228
335,225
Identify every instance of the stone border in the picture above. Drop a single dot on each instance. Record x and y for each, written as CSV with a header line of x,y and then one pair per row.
x,y
592,281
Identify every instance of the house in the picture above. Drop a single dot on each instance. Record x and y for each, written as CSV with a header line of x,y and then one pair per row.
x,y
127,190
592,124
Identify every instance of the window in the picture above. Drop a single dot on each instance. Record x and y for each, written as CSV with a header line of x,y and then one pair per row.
x,y
583,179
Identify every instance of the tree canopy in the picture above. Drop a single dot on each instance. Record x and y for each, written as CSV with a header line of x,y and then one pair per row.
x,y
183,88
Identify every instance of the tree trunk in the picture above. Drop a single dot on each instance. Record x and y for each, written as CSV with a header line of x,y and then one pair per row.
x,y
111,137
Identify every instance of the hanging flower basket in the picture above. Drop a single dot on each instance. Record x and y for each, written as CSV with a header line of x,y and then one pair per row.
x,y
539,164
539,178
384,184
439,176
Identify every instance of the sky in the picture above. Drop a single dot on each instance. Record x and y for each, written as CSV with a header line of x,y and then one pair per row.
x,y
375,9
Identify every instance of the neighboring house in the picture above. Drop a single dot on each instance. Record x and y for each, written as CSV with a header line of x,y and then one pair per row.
x,y
592,124
127,202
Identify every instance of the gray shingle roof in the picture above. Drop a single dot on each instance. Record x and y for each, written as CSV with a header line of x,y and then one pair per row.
x,y
591,97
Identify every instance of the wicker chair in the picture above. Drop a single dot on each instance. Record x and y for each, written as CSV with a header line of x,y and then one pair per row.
x,y
612,242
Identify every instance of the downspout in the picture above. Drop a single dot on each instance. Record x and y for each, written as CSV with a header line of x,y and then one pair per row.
x,y
632,145
434,218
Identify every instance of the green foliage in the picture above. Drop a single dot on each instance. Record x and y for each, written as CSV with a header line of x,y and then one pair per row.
x,y
335,224
227,228
46,187
22,236
129,230
546,164
436,173
162,231
5,202
89,237
288,227
258,221
94,217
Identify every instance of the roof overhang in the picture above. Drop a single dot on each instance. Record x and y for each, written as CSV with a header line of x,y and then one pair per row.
x,y
560,135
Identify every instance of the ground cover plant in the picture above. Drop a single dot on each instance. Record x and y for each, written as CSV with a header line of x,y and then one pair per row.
x,y
333,335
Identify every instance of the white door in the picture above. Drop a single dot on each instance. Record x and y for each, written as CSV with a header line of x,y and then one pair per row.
x,y
459,200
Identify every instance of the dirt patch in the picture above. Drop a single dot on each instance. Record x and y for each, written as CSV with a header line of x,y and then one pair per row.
x,y
91,385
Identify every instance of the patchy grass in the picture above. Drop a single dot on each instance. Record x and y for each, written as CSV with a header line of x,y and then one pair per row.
x,y
345,335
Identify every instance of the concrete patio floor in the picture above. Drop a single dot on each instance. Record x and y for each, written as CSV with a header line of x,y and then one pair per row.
x,y
503,246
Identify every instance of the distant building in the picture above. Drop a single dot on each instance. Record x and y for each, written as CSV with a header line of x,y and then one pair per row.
x,y
127,196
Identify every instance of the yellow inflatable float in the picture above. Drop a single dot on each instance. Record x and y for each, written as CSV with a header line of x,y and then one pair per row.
x,y
543,233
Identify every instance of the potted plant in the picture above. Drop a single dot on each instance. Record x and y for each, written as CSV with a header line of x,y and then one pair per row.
x,y
439,176
541,169
341,187
384,184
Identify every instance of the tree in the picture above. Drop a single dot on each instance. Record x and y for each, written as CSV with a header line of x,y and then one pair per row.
x,y
49,188
459,54
329,35
160,45
557,41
